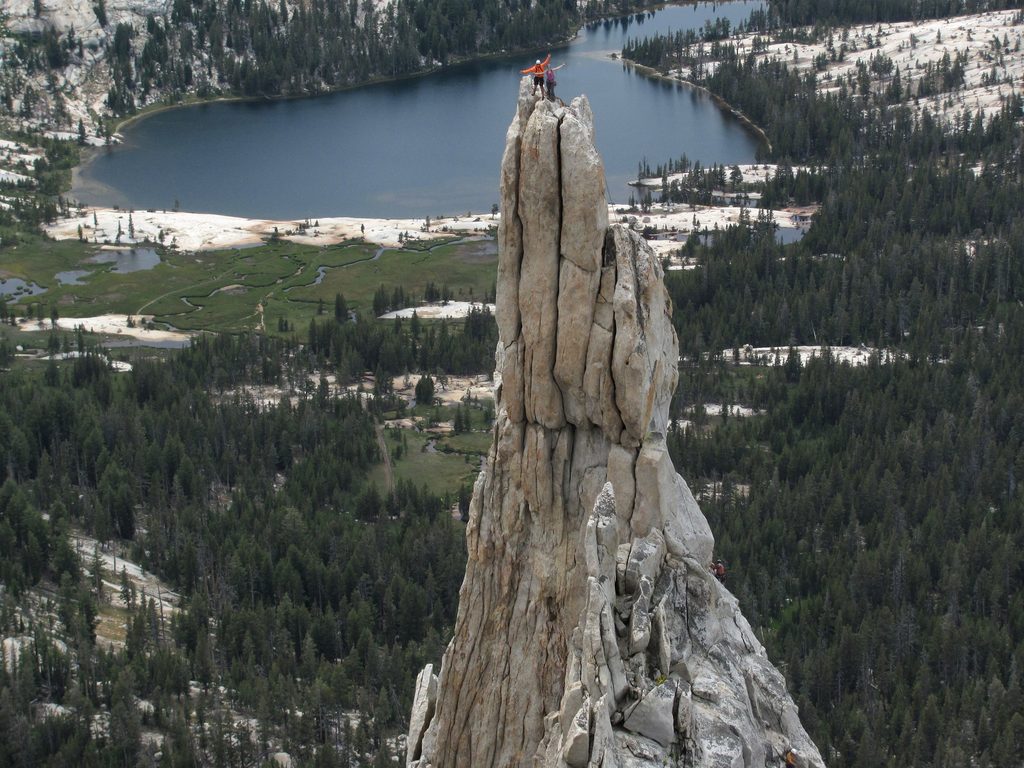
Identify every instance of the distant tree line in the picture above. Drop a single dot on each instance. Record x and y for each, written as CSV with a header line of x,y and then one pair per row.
x,y
866,112
791,13
398,346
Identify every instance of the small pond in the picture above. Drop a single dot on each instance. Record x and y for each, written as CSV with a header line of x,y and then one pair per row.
x,y
127,260
72,276
158,343
787,235
14,288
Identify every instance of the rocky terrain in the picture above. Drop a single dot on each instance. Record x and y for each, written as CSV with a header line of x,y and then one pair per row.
x,y
53,101
984,48
66,82
591,631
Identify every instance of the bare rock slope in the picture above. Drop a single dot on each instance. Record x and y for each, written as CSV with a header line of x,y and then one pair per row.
x,y
590,630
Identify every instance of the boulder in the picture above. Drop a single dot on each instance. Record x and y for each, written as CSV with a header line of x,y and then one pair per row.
x,y
644,561
654,715
640,618
576,742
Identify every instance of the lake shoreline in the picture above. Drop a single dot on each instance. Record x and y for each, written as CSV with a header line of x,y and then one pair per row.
x,y
722,104
195,101
88,153
93,184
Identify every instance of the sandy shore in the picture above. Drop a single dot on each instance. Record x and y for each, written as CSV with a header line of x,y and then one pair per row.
x,y
209,231
439,310
989,43
673,223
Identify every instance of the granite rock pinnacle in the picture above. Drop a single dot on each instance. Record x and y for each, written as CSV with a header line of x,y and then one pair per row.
x,y
590,631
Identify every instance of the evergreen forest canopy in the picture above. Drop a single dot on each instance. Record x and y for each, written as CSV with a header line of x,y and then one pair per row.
x,y
873,518
794,13
305,588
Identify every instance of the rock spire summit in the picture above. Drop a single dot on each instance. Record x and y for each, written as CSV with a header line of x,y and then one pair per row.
x,y
590,630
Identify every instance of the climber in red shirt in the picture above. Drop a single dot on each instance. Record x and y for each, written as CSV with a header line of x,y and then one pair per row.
x,y
537,70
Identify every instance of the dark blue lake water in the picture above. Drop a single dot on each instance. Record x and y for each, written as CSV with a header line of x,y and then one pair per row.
x,y
419,147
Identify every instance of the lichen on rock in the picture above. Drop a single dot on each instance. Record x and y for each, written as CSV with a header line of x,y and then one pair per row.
x,y
590,630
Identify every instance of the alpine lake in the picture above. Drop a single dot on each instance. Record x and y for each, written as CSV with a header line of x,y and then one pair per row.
x,y
422,146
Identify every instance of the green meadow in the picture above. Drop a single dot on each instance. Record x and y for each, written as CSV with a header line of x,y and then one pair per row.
x,y
425,463
279,284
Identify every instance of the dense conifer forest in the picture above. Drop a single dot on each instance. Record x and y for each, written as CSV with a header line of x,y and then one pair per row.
x,y
872,517
401,346
305,589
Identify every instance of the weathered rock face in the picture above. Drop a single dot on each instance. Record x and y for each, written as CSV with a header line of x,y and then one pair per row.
x,y
590,630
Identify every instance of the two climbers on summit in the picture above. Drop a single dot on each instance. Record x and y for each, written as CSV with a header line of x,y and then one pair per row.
x,y
543,77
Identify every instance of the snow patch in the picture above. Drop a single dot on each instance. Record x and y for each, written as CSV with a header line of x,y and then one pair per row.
x,y
117,365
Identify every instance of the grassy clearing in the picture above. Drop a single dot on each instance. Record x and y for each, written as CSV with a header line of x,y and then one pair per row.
x,y
33,339
112,623
468,269
37,259
426,245
455,459
439,472
467,442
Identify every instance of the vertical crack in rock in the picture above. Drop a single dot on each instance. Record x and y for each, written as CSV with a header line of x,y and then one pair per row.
x,y
590,632
561,255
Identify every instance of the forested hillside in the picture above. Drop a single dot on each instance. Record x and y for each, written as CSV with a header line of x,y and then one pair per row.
x,y
836,12
310,597
872,517
264,49
58,77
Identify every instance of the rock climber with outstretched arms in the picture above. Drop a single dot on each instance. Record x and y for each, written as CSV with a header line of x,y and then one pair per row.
x,y
537,70
550,80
